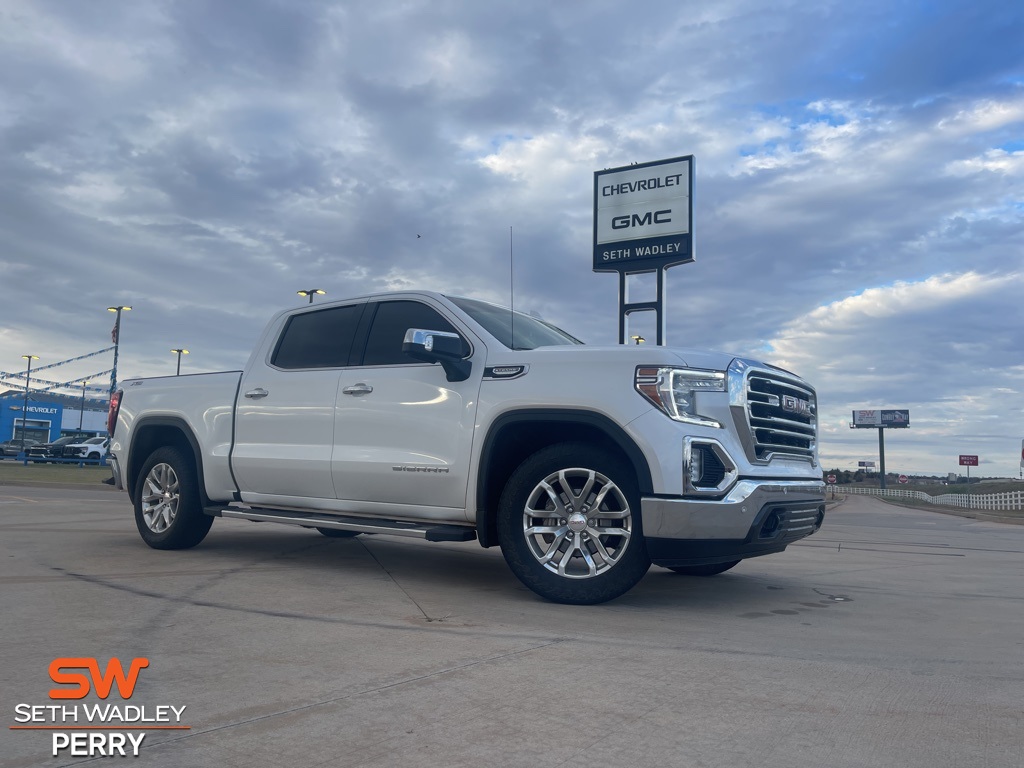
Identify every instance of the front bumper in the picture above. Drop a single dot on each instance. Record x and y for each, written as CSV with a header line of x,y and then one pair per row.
x,y
756,517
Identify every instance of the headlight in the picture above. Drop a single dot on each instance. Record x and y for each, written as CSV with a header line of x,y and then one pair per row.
x,y
674,391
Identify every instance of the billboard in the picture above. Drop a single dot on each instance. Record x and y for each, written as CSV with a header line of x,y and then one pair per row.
x,y
879,418
968,461
643,216
866,464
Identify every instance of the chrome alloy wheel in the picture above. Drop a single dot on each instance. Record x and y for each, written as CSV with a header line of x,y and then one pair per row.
x,y
577,523
161,494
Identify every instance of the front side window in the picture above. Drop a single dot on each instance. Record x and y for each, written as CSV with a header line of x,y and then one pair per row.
x,y
514,330
393,319
319,339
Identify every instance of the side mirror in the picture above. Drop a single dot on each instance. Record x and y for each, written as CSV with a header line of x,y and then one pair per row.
x,y
438,347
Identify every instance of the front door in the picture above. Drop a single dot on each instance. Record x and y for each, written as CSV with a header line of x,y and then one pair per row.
x,y
404,433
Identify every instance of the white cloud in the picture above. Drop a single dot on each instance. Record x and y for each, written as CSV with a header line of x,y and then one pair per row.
x,y
984,115
994,161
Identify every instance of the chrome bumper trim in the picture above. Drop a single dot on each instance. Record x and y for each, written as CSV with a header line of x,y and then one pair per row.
x,y
727,518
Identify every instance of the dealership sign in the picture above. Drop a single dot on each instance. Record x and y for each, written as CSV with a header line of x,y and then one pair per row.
x,y
870,419
643,215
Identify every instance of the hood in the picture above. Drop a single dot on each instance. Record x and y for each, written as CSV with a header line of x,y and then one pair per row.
x,y
636,355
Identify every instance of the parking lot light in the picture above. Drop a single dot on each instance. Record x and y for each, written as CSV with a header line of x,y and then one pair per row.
x,y
81,412
115,336
311,292
24,407
179,352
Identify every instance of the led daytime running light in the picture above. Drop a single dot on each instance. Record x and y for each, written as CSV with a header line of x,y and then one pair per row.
x,y
671,390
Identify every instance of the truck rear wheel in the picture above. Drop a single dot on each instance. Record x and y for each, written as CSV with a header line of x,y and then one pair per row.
x,y
704,570
569,525
168,509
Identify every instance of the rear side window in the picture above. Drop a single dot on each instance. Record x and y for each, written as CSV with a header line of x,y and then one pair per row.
x,y
320,339
393,319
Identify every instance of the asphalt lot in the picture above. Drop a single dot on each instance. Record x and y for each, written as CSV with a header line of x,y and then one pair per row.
x,y
893,637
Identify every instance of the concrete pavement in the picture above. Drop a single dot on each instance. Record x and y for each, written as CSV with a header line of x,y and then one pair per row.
x,y
893,637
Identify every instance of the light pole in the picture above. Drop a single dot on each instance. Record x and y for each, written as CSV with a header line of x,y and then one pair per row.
x,y
180,352
638,339
24,407
115,336
311,292
81,412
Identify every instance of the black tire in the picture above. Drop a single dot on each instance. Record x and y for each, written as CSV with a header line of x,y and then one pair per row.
x,y
168,508
599,556
704,570
338,533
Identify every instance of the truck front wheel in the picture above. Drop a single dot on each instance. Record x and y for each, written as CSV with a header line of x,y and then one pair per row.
x,y
569,525
168,510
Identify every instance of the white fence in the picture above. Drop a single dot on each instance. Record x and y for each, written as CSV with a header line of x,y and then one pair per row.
x,y
991,501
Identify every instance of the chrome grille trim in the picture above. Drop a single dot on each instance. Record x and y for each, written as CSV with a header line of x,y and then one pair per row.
x,y
778,411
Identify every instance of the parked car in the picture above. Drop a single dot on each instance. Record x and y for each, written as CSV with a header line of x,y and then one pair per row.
x,y
93,448
12,447
54,450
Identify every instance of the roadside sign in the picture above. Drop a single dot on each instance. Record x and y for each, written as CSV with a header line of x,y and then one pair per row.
x,y
968,461
904,479
832,479
643,215
867,419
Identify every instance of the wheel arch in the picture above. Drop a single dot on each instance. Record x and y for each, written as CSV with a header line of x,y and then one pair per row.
x,y
154,432
515,435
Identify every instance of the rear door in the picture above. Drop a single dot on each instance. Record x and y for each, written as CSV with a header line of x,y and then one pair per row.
x,y
284,423
403,433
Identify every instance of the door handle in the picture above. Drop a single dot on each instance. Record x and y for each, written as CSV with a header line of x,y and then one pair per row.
x,y
256,394
357,389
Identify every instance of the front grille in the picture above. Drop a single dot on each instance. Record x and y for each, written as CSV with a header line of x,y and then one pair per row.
x,y
782,414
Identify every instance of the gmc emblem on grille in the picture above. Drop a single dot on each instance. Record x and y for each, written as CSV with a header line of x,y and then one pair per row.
x,y
795,405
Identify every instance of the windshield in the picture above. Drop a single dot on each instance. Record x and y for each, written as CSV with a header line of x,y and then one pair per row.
x,y
529,332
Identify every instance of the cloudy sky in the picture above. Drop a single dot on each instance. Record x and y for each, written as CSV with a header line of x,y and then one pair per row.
x,y
858,210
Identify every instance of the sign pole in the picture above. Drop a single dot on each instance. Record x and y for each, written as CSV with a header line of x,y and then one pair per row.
x,y
881,456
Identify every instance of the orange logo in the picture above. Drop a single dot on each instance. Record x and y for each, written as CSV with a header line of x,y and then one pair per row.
x,y
101,682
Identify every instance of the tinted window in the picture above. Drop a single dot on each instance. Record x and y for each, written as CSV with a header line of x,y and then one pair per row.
x,y
393,319
320,339
529,332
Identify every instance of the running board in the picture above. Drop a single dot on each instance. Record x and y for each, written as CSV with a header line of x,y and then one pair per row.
x,y
340,522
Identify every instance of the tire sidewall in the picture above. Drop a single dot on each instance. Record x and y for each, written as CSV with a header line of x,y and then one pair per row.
x,y
621,577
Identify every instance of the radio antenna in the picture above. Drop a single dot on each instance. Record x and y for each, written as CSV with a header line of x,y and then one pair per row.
x,y
511,293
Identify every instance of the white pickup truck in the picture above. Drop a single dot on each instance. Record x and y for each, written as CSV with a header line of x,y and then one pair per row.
x,y
451,419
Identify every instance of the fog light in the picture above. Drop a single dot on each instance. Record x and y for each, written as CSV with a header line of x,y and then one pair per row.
x,y
696,466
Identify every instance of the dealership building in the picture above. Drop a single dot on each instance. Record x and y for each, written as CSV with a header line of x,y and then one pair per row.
x,y
48,416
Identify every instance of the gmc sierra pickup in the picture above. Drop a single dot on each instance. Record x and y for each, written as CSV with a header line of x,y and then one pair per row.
x,y
451,419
